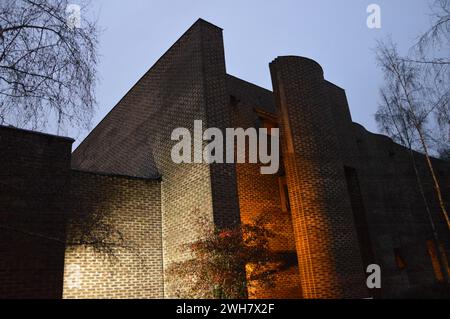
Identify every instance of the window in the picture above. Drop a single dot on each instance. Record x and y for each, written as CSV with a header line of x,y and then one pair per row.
x,y
399,260
269,125
267,120
284,194
359,216
433,252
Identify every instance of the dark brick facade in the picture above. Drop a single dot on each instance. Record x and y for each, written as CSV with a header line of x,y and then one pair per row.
x,y
395,210
39,191
343,199
34,175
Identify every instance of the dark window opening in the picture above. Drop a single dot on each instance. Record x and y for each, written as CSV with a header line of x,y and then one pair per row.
x,y
399,260
284,194
359,216
433,252
234,101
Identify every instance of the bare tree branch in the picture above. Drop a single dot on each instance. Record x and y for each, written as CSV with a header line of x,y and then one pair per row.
x,y
47,66
406,107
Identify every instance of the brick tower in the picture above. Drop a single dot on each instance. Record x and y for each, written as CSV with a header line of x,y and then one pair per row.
x,y
327,246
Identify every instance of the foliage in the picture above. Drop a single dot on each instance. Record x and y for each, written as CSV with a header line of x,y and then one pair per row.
x,y
225,263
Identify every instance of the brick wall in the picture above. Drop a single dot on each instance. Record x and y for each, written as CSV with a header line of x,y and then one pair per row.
x,y
259,195
34,178
131,207
188,83
327,247
354,195
396,211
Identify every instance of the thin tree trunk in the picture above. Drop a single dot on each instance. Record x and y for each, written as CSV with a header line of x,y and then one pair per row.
x,y
417,126
442,257
435,179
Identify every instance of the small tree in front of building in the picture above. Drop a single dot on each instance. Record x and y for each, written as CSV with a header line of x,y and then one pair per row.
x,y
227,263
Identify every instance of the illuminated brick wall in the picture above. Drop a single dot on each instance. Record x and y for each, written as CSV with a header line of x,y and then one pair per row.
x,y
187,83
327,246
259,195
133,207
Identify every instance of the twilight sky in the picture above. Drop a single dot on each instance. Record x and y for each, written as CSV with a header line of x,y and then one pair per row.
x,y
332,32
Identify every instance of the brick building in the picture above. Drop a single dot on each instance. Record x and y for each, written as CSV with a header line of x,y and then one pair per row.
x,y
344,198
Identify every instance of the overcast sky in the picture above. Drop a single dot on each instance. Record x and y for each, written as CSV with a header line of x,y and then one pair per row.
x,y
332,32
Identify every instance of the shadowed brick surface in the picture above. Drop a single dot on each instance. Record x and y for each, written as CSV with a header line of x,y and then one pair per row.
x,y
34,174
396,212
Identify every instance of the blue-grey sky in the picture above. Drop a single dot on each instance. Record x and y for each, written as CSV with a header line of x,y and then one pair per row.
x,y
332,32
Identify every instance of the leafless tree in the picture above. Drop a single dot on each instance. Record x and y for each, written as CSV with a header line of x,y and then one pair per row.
x,y
432,53
48,61
416,98
430,56
414,112
415,106
437,37
405,112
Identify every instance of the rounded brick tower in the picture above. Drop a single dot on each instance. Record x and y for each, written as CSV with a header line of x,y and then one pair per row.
x,y
327,246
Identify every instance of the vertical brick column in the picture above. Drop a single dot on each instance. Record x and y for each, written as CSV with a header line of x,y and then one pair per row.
x,y
218,114
328,253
